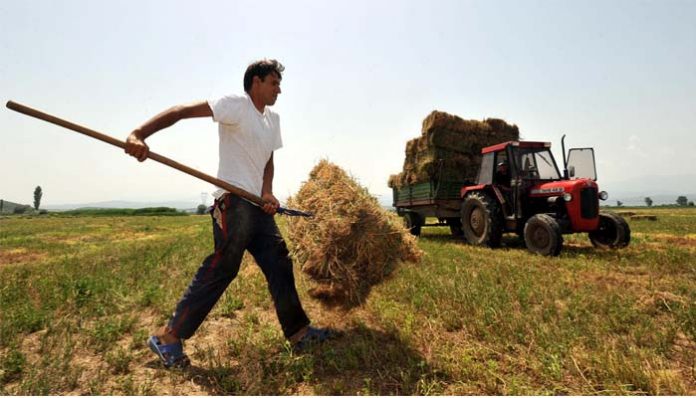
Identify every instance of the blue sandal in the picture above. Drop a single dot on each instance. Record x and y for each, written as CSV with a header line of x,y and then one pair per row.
x,y
314,336
171,355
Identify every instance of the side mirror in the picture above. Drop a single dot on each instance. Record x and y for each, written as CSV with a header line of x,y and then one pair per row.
x,y
571,171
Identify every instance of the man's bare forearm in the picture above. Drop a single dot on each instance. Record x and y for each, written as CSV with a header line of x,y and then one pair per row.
x,y
135,143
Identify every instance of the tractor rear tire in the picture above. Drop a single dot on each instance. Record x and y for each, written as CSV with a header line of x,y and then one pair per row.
x,y
413,222
542,235
613,232
481,220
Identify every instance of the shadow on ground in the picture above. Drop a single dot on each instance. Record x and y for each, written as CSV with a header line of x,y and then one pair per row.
x,y
513,242
508,240
361,361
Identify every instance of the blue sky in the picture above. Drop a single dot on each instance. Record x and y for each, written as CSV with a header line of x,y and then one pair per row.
x,y
360,76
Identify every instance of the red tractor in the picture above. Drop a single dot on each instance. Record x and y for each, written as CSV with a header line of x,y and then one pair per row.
x,y
520,189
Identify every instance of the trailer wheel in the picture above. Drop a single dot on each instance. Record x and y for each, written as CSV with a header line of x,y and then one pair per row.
x,y
455,226
613,232
542,235
481,220
413,222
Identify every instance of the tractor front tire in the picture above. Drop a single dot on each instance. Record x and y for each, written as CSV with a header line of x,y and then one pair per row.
x,y
481,220
613,232
542,235
413,222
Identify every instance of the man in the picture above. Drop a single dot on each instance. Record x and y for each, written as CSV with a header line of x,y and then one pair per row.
x,y
249,133
502,174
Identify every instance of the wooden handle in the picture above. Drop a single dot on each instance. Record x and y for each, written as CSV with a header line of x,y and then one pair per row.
x,y
156,157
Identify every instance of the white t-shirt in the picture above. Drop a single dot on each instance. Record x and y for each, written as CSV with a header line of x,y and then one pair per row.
x,y
247,140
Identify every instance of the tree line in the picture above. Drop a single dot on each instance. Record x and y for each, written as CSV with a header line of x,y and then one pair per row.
x,y
681,201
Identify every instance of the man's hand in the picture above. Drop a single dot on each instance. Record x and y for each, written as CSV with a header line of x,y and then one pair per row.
x,y
271,204
136,147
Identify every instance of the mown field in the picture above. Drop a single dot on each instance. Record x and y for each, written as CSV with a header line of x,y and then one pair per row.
x,y
79,296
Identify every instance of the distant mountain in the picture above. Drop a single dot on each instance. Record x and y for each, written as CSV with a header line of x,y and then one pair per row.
x,y
122,204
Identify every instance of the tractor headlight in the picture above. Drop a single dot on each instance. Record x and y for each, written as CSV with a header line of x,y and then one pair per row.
x,y
604,195
567,196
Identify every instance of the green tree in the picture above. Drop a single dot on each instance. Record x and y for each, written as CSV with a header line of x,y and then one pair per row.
x,y
37,197
2,204
648,201
201,209
682,201
691,203
619,203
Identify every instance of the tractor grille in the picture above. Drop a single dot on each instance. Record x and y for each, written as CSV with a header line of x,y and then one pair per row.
x,y
589,203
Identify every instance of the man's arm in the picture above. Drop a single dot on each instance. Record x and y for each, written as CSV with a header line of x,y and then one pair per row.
x,y
272,203
135,143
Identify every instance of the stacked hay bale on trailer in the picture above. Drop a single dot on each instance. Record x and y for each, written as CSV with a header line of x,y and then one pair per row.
x,y
439,162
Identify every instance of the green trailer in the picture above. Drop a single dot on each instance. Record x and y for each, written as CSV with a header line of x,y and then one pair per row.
x,y
433,199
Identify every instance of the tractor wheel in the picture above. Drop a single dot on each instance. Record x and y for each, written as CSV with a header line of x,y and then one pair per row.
x,y
455,226
613,232
542,235
481,220
413,222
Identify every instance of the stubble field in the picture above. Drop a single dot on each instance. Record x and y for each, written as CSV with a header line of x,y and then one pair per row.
x,y
79,296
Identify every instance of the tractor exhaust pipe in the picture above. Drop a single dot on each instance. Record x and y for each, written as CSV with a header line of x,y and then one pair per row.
x,y
565,161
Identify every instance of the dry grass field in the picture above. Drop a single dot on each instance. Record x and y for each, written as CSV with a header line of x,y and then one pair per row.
x,y
79,296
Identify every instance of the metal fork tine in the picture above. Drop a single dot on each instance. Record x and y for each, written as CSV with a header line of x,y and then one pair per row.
x,y
294,213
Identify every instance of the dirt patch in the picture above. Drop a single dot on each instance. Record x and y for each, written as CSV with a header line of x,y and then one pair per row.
x,y
31,346
616,280
19,256
133,236
661,299
662,240
685,344
127,236
144,375
685,241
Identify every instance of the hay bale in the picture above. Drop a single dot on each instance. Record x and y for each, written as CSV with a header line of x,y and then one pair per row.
x,y
449,148
626,213
351,243
649,217
394,180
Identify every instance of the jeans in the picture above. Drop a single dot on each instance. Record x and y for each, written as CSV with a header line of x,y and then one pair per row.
x,y
239,225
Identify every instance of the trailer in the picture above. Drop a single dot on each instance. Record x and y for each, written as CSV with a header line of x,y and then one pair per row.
x,y
433,199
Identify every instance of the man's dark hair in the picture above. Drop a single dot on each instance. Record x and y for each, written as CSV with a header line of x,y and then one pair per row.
x,y
262,69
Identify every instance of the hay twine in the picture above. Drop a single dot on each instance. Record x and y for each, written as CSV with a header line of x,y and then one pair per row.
x,y
351,244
